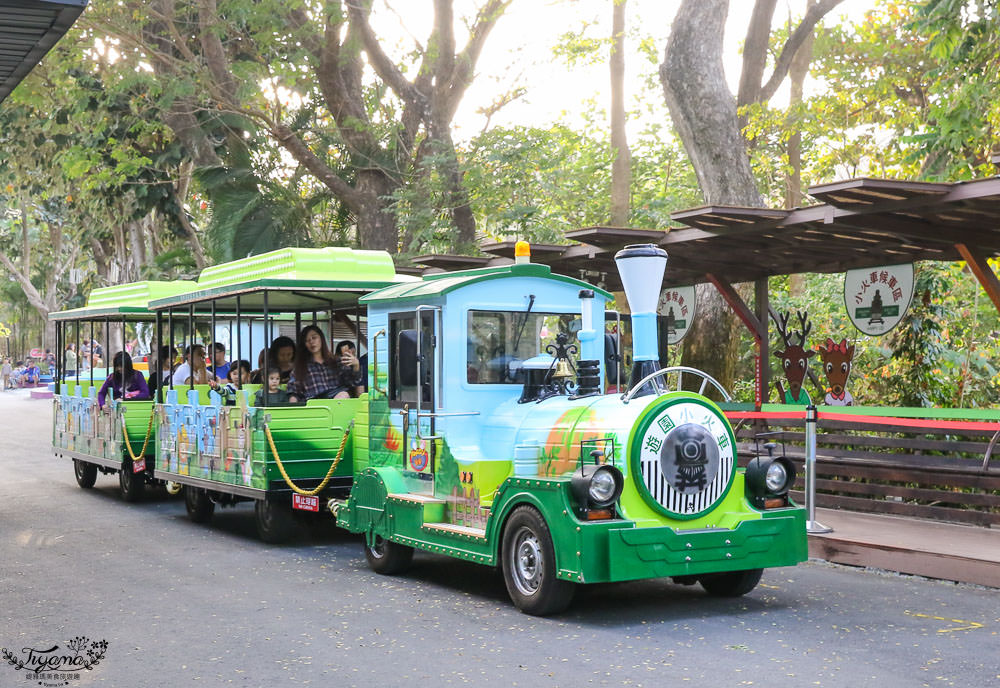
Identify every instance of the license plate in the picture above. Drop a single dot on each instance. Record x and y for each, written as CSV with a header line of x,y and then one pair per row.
x,y
139,466
305,503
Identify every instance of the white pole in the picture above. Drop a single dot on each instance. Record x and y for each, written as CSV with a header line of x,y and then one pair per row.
x,y
812,525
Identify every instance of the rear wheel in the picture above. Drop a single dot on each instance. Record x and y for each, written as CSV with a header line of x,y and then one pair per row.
x,y
275,523
731,583
529,565
132,484
387,557
200,506
86,473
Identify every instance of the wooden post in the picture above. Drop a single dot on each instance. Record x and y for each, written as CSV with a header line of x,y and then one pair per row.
x,y
752,323
981,269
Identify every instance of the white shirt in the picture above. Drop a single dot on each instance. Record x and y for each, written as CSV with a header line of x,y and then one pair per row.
x,y
182,373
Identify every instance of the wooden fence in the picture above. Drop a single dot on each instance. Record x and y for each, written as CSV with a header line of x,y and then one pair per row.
x,y
923,463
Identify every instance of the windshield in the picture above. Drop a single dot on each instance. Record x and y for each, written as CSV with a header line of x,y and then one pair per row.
x,y
500,340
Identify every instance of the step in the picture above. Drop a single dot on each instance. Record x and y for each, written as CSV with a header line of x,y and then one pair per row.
x,y
41,394
456,529
415,498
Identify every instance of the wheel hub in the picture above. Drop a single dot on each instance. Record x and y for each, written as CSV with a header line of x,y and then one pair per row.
x,y
527,563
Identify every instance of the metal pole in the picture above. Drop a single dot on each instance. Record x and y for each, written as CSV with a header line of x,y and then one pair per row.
x,y
90,355
170,326
267,352
239,345
158,373
812,525
190,346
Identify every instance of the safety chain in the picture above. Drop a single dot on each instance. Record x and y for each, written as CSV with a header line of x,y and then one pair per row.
x,y
329,473
145,442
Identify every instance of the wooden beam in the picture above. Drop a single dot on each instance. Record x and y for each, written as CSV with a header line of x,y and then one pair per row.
x,y
981,269
761,306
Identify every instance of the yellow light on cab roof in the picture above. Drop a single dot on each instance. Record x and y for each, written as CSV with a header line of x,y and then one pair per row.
x,y
522,252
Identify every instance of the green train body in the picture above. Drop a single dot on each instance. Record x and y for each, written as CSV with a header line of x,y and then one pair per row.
x,y
475,439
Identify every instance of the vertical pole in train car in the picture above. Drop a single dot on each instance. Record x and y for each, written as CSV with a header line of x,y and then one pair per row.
x,y
239,344
314,317
107,355
90,349
298,322
214,338
173,353
357,337
812,525
79,356
190,346
60,362
159,358
267,352
124,344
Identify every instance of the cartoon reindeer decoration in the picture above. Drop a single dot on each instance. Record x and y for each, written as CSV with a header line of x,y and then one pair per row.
x,y
837,366
794,359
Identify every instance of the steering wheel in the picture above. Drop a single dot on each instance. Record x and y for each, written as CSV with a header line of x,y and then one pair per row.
x,y
679,371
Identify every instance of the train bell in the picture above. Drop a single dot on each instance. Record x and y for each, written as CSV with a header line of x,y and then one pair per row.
x,y
562,370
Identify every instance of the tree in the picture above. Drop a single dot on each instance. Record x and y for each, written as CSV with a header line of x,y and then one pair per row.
x,y
621,172
314,77
705,115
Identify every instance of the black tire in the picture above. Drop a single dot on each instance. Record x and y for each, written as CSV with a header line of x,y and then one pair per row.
x,y
529,565
86,473
731,583
199,506
132,485
275,523
387,557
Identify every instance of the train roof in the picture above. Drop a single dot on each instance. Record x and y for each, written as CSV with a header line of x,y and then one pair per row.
x,y
441,283
130,299
292,278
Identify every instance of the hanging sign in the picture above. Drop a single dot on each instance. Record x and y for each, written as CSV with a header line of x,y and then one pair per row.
x,y
677,306
877,298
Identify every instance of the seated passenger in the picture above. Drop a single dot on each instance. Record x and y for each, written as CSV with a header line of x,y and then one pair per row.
x,y
316,373
273,393
33,373
239,374
193,369
353,370
282,357
124,382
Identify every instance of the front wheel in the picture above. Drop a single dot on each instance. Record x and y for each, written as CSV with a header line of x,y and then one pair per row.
x,y
731,583
132,484
529,565
387,557
86,473
275,524
200,506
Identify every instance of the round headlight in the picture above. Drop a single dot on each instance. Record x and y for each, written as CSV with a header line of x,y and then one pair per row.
x,y
602,486
776,477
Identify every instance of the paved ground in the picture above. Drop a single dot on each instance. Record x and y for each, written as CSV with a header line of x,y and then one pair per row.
x,y
182,604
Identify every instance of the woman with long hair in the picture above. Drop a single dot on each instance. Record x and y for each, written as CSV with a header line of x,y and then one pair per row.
x,y
124,382
316,371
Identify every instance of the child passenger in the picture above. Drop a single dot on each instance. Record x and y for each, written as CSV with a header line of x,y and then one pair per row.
x,y
124,382
239,374
274,394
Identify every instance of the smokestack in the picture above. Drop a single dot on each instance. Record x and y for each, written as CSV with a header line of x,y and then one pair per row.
x,y
641,267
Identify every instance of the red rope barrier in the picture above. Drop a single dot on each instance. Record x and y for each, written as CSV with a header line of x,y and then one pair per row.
x,y
919,423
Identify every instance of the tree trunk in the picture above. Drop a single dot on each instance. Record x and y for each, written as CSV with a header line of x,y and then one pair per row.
x,y
793,183
704,114
621,168
702,108
377,227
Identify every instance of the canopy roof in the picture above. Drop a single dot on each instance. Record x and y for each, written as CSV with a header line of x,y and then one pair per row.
x,y
434,285
293,279
28,30
124,299
859,223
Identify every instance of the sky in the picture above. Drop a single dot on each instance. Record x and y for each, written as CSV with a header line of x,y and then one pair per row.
x,y
519,51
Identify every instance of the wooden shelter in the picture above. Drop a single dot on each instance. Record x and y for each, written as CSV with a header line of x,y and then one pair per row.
x,y
858,223
28,30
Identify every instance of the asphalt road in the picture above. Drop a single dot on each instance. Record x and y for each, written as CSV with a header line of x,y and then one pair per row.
x,y
181,604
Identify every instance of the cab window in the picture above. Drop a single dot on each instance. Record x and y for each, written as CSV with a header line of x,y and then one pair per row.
x,y
499,340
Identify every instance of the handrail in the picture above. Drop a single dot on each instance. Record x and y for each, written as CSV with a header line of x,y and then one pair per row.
x,y
380,333
706,379
989,451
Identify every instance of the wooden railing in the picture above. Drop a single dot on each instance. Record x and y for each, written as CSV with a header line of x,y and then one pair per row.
x,y
924,463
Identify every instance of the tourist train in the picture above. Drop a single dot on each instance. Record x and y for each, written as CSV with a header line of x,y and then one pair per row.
x,y
485,425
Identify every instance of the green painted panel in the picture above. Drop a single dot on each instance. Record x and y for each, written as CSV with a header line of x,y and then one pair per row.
x,y
323,264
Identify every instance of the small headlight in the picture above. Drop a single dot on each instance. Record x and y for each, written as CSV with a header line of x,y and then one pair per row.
x,y
602,486
776,477
767,478
596,486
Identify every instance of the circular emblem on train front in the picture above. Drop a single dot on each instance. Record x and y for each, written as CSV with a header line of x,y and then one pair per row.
x,y
683,457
